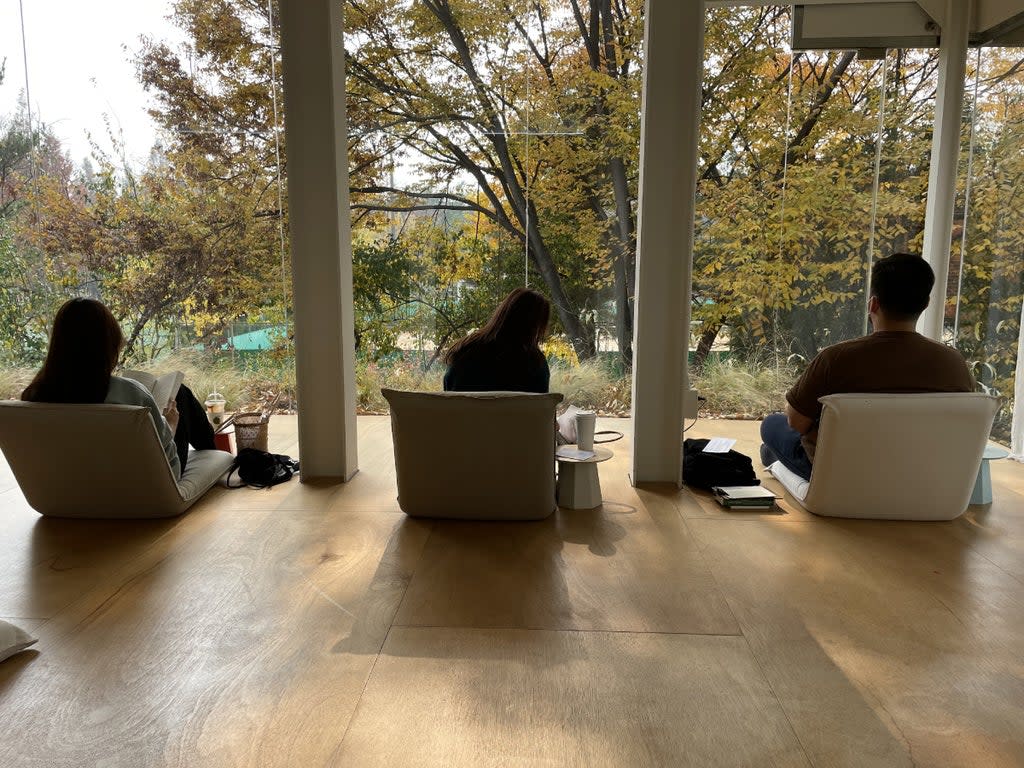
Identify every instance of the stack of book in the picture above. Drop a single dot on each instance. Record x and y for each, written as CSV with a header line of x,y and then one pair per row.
x,y
744,497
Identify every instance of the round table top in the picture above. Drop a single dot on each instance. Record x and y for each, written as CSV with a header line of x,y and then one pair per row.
x,y
600,454
994,452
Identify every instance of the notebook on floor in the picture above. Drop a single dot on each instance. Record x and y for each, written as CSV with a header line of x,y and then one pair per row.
x,y
744,497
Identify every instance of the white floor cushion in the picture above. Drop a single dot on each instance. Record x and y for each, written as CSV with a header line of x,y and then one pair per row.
x,y
13,640
790,480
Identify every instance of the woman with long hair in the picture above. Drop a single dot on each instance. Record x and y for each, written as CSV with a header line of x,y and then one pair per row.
x,y
85,345
504,355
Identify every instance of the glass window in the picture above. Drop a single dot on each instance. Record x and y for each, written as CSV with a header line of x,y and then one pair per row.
x,y
987,264
787,213
147,175
498,148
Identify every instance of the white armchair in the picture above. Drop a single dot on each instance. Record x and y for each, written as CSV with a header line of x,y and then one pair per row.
x,y
474,455
99,461
895,457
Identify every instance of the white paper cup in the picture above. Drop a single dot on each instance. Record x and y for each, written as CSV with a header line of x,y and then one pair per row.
x,y
585,423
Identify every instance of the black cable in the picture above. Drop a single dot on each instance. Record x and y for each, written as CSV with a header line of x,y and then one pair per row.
x,y
700,404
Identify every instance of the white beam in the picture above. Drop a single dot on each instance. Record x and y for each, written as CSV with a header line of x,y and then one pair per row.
x,y
758,3
934,8
843,26
313,64
938,218
852,20
991,13
673,66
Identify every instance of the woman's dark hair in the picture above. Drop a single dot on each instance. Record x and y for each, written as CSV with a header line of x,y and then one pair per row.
x,y
903,283
84,347
519,322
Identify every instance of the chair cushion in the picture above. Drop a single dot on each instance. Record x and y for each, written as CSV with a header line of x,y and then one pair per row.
x,y
13,640
203,469
97,461
790,480
898,457
479,455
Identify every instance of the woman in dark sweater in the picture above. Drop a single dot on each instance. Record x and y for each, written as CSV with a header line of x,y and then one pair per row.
x,y
504,355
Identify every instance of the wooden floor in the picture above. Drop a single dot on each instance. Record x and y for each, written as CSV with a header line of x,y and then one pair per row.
x,y
314,625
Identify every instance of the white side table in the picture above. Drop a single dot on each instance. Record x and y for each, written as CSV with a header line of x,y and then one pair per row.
x,y
578,484
983,485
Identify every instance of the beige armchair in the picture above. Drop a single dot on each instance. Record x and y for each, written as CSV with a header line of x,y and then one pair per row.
x,y
895,457
479,456
101,461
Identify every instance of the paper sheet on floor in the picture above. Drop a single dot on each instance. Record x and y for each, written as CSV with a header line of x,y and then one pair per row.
x,y
719,445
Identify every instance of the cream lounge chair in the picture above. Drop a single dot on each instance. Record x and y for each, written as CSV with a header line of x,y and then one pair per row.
x,y
479,456
895,457
99,461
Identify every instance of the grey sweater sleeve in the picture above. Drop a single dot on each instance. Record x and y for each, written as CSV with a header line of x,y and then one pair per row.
x,y
129,392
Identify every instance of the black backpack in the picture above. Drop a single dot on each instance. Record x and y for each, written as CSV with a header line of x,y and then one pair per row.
x,y
259,469
707,470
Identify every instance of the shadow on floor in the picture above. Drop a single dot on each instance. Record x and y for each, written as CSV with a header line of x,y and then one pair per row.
x,y
11,668
68,557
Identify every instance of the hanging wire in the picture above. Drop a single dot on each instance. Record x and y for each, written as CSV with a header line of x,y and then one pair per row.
x,y
785,180
277,156
785,151
874,189
526,241
28,95
529,133
967,196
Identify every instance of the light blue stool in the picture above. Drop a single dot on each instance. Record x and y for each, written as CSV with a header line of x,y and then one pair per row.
x,y
983,485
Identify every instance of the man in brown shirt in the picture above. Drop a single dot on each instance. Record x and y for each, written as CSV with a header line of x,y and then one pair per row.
x,y
894,358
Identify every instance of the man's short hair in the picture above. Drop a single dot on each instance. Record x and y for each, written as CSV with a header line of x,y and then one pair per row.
x,y
903,283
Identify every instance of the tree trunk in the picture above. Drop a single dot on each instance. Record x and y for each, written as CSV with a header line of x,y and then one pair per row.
x,y
821,98
514,191
707,340
625,261
579,336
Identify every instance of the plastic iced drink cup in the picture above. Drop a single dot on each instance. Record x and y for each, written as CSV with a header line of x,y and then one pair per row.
x,y
215,404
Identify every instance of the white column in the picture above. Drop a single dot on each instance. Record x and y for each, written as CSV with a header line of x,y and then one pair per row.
x,y
673,67
938,218
1017,430
313,65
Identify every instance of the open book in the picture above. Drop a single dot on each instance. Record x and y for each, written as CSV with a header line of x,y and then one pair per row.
x,y
163,388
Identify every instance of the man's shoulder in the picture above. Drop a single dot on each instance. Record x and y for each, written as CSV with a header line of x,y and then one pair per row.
x,y
842,347
922,345
880,351
938,348
896,362
874,341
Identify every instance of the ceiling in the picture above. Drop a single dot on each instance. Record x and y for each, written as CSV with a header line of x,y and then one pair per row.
x,y
896,23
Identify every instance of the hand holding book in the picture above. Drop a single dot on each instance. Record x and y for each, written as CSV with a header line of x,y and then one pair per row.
x,y
163,388
172,416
